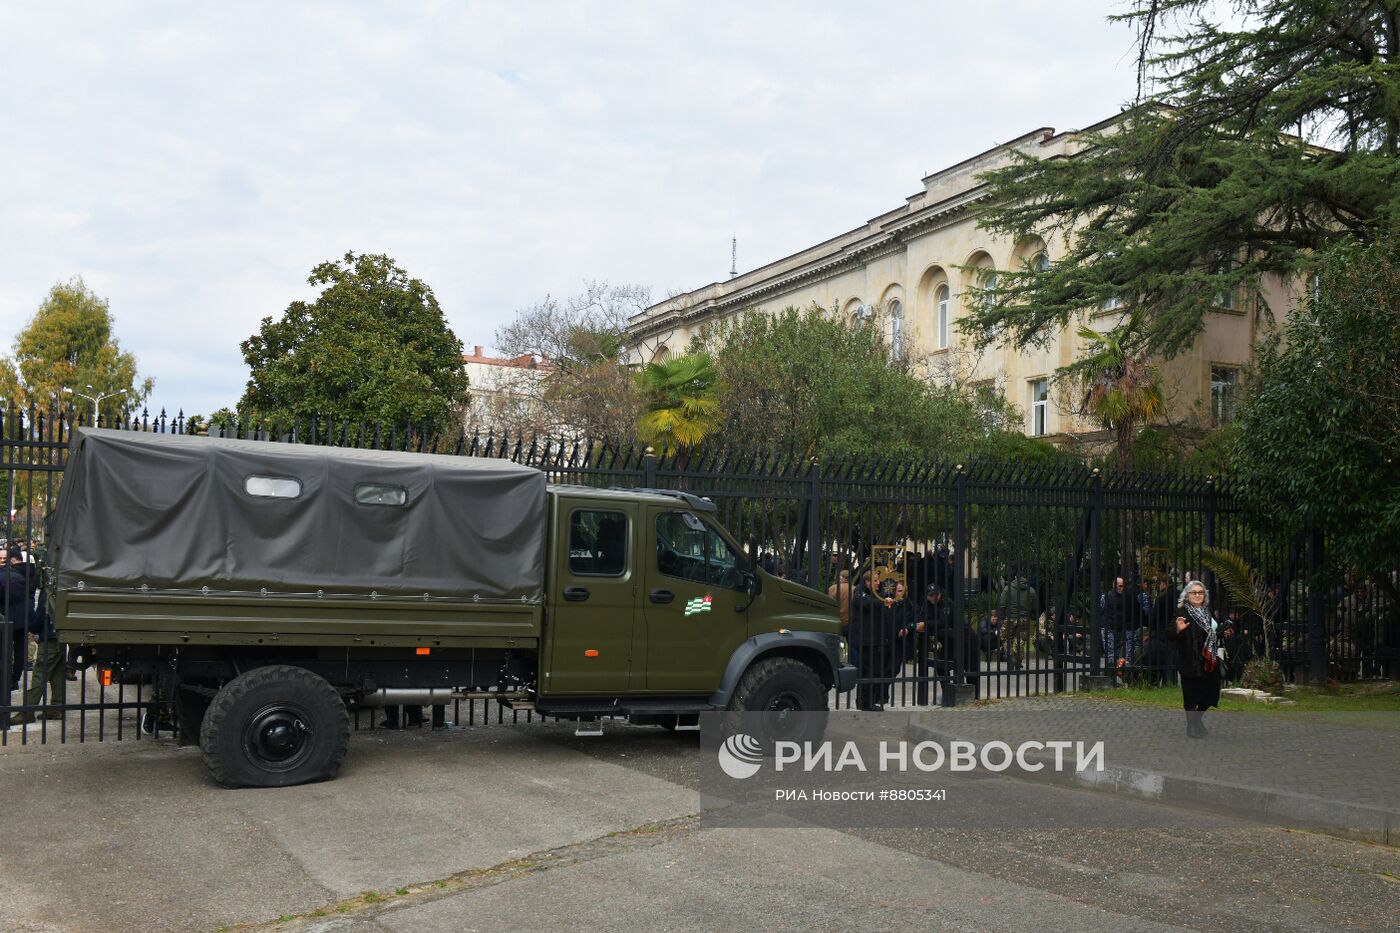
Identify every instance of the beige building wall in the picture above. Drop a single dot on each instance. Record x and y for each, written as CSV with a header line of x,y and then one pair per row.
x,y
894,267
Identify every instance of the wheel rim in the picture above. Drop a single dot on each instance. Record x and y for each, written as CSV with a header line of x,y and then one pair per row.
x,y
781,721
278,737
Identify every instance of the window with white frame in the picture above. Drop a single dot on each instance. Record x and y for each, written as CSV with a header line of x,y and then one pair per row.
x,y
896,328
1226,298
1224,391
943,312
1040,407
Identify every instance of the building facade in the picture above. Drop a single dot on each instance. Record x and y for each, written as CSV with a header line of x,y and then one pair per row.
x,y
505,392
913,272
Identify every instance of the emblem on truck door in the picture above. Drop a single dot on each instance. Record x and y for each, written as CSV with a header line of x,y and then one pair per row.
x,y
698,604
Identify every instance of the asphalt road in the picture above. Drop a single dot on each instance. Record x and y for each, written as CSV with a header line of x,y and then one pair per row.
x,y
531,827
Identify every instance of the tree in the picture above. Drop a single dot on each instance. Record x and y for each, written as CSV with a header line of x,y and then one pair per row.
x,y
69,344
374,346
680,408
590,389
1216,178
806,382
1119,388
1318,440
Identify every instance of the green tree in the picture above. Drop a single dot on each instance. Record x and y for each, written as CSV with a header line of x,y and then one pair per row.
x,y
680,409
374,345
806,382
1318,440
69,344
1217,178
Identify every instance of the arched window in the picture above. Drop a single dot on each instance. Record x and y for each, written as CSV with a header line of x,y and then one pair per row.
x,y
1041,263
989,285
896,328
942,298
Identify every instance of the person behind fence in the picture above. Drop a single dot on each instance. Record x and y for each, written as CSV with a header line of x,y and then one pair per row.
x,y
871,634
1197,657
989,635
841,592
16,593
1019,607
50,670
937,617
908,631
1114,607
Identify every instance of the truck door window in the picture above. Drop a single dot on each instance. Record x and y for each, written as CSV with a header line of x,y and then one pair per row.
x,y
688,548
598,543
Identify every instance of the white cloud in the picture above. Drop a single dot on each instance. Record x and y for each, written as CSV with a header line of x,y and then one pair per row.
x,y
193,164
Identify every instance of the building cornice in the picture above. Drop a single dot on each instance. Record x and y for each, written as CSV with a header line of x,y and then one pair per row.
x,y
890,239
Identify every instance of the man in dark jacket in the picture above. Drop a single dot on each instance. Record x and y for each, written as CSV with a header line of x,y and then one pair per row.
x,y
15,594
49,669
871,635
937,617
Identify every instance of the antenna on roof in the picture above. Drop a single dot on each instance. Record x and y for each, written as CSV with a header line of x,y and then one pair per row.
x,y
733,256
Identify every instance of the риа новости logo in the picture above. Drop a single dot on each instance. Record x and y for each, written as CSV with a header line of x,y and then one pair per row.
x,y
740,756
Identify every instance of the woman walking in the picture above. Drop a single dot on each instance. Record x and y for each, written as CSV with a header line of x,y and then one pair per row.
x,y
1197,657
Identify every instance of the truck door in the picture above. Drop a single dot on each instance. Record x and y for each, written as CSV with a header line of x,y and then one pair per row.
x,y
694,583
594,598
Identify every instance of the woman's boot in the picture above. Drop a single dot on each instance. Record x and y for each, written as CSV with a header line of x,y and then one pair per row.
x,y
1193,724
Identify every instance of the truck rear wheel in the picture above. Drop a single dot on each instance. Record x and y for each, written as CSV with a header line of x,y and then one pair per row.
x,y
790,696
274,727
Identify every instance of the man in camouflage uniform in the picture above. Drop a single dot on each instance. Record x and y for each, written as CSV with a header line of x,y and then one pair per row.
x,y
1018,608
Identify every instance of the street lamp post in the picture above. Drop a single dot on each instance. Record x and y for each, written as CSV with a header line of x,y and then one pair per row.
x,y
96,400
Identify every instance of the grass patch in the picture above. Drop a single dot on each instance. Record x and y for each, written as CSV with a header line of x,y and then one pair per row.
x,y
1372,697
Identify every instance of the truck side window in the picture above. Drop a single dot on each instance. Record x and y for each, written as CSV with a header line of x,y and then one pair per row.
x,y
687,548
380,494
272,487
597,543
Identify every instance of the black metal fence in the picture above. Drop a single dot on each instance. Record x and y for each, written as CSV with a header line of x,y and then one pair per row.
x,y
1024,564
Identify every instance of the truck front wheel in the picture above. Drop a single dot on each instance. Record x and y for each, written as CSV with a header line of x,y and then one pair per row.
x,y
789,696
274,727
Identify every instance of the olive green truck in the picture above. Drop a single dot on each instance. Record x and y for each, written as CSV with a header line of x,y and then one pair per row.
x,y
265,589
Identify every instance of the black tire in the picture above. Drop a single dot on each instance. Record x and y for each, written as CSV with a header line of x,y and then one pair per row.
x,y
274,727
789,694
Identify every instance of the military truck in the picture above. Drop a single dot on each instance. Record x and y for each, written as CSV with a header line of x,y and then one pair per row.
x,y
265,589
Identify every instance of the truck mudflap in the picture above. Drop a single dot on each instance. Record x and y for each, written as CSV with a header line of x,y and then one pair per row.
x,y
821,645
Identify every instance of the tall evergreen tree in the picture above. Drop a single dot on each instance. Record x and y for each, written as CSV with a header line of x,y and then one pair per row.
x,y
1250,148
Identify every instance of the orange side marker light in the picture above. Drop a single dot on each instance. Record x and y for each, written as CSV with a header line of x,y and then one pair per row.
x,y
422,651
104,676
591,653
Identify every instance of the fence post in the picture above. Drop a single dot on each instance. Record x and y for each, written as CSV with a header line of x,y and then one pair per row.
x,y
1210,537
955,686
1095,569
1317,610
814,550
649,468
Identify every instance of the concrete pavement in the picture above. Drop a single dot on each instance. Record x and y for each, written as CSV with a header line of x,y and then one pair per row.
x,y
531,827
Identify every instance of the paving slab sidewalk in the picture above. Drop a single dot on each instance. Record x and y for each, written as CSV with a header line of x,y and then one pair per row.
x,y
1333,772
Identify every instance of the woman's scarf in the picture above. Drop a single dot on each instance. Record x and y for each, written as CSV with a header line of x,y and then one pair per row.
x,y
1199,616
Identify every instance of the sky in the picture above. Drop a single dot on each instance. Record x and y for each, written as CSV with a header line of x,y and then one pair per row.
x,y
193,162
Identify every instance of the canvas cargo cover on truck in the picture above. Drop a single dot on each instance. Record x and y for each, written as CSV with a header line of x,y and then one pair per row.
x,y
174,513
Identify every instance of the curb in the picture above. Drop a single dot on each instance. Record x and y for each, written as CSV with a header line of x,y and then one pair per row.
x,y
1304,811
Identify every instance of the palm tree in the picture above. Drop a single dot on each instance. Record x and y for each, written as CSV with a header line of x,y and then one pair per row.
x,y
679,405
1120,389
